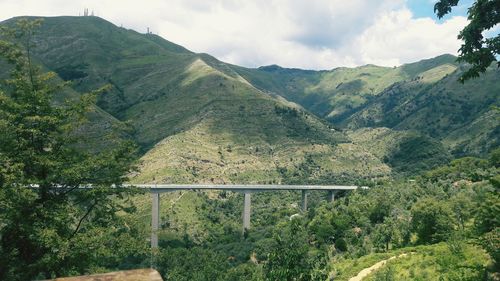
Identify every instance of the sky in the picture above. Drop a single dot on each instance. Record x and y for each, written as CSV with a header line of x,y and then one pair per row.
x,y
308,34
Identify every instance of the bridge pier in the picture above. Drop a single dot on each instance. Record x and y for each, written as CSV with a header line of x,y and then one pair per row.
x,y
304,200
331,196
155,219
156,189
246,210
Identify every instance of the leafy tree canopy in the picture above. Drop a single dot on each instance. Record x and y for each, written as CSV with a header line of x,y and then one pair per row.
x,y
477,50
53,228
289,258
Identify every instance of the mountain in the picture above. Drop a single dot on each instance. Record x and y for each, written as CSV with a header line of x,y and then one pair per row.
x,y
200,120
423,97
197,119
434,103
335,94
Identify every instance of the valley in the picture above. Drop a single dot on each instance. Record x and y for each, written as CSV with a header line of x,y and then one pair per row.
x,y
426,145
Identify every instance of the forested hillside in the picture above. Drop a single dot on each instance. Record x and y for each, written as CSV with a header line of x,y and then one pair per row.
x,y
424,144
195,118
210,119
424,96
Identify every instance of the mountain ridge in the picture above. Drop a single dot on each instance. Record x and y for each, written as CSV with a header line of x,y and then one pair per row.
x,y
172,96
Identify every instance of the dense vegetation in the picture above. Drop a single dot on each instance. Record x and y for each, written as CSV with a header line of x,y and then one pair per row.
x,y
455,206
212,122
48,225
446,218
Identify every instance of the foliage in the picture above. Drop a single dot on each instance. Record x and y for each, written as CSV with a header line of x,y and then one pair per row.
x,y
289,258
491,243
432,220
487,218
419,153
385,274
191,264
395,230
435,262
467,168
463,208
380,219
477,50
52,228
495,158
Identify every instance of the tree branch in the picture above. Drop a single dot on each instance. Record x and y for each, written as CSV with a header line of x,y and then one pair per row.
x,y
83,218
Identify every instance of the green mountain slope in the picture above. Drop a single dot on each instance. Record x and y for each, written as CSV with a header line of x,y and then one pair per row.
x,y
458,114
423,96
239,134
405,151
195,118
335,94
198,119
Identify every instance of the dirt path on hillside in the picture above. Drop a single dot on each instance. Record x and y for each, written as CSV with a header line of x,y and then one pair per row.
x,y
365,272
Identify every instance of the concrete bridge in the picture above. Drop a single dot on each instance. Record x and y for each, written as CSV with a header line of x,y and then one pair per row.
x,y
247,190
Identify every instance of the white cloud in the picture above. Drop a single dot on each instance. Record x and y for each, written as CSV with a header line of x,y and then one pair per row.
x,y
399,38
319,34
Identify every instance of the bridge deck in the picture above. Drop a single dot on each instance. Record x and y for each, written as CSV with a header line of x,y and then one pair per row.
x,y
240,187
247,189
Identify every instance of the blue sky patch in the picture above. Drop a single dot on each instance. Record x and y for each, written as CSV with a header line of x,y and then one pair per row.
x,y
425,8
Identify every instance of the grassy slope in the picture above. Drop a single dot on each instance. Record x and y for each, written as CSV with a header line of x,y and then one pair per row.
x,y
152,79
245,136
435,261
406,151
338,93
335,94
423,96
460,115
422,263
203,119
140,68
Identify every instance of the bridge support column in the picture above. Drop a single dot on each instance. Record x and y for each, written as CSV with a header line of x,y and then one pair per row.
x,y
246,210
155,219
331,196
304,200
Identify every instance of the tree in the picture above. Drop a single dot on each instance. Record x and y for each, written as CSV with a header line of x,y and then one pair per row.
x,y
52,228
477,50
382,236
192,264
289,258
491,243
432,220
462,205
486,217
